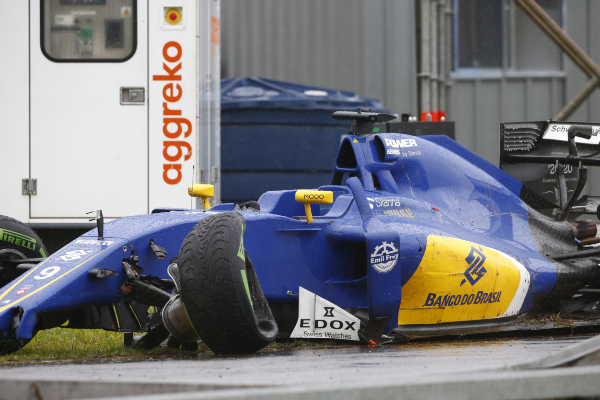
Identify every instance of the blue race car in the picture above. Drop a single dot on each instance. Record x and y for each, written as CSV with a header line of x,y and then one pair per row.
x,y
413,235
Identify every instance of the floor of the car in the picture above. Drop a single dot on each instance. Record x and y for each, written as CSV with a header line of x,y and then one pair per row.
x,y
530,325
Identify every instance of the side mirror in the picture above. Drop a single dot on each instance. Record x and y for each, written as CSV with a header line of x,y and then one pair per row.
x,y
202,191
308,197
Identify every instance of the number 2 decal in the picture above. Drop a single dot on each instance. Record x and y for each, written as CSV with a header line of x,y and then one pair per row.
x,y
47,273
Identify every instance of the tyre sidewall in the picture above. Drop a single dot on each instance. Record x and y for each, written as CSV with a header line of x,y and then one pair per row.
x,y
237,258
18,236
220,312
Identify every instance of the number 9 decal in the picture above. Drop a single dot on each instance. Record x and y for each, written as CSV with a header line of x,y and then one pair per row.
x,y
47,273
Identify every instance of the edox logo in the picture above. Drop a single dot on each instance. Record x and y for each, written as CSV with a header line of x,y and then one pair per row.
x,y
475,272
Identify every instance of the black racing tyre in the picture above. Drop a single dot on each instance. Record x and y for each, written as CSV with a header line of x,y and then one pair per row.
x,y
219,288
17,241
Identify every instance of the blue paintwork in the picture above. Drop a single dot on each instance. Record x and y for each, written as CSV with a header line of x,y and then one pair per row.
x,y
448,189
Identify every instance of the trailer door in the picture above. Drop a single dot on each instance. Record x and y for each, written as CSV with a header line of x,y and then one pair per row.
x,y
89,112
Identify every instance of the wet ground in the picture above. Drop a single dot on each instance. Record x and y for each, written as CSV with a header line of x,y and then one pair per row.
x,y
312,366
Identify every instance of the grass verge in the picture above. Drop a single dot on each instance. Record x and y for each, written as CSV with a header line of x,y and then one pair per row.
x,y
74,345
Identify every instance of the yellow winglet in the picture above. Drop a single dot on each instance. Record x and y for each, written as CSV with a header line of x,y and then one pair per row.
x,y
309,197
202,191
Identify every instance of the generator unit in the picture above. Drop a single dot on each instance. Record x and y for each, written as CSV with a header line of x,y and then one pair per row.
x,y
107,104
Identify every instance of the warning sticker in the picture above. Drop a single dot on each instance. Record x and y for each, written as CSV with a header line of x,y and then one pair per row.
x,y
173,15
126,11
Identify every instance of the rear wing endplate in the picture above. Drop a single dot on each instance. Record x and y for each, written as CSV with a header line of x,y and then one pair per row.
x,y
547,141
551,159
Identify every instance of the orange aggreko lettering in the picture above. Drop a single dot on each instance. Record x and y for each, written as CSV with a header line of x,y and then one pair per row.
x,y
178,122
172,93
168,93
167,168
177,47
170,74
166,110
178,144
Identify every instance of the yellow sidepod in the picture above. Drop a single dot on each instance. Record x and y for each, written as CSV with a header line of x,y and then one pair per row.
x,y
462,281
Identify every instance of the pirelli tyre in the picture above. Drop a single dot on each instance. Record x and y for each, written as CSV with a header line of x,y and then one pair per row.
x,y
17,241
220,290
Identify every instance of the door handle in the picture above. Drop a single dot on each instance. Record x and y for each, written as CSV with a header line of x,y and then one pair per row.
x,y
133,95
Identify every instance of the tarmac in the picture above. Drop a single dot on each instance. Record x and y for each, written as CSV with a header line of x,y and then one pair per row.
x,y
501,368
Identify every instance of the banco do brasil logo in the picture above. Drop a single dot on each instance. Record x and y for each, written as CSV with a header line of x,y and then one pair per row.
x,y
476,270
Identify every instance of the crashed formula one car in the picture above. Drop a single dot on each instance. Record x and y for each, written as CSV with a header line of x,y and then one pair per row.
x,y
414,234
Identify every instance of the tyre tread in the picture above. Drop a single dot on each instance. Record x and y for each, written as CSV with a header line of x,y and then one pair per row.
x,y
217,307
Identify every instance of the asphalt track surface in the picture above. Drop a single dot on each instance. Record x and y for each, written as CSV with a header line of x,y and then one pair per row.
x,y
309,366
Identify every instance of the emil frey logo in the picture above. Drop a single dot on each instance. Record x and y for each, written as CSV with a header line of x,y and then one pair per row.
x,y
385,257
476,270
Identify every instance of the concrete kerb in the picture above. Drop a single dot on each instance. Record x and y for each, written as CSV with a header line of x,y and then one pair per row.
x,y
567,356
28,388
502,384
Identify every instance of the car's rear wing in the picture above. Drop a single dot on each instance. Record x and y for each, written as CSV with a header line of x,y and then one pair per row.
x,y
547,141
551,160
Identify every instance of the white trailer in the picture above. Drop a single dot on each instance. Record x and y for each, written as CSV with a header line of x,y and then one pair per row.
x,y
107,104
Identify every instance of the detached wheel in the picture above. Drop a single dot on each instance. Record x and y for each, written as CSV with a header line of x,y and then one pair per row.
x,y
17,241
219,288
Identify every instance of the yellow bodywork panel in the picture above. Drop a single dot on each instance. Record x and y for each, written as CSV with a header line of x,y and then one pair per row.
x,y
460,281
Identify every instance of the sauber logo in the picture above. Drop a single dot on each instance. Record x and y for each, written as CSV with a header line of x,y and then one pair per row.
x,y
173,123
